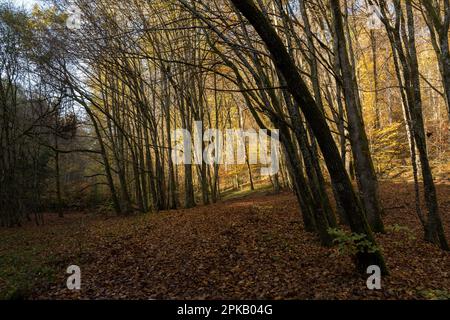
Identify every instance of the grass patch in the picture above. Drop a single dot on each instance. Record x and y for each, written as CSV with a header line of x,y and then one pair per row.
x,y
244,192
21,270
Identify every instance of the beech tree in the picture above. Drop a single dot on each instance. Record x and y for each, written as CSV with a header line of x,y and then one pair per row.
x,y
315,118
349,102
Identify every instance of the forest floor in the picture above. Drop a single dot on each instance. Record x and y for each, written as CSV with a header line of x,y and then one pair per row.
x,y
251,247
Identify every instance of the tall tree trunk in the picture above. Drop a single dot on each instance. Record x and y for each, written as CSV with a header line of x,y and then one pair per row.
x,y
435,230
106,164
172,185
316,119
375,106
57,178
365,172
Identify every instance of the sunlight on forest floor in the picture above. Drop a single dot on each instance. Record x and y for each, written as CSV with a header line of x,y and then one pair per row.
x,y
252,247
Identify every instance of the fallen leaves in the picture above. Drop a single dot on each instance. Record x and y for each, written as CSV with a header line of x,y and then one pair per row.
x,y
249,248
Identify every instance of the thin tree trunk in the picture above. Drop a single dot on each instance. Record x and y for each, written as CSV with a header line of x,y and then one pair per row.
x,y
365,172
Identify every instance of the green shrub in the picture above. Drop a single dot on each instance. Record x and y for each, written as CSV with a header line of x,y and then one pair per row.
x,y
349,244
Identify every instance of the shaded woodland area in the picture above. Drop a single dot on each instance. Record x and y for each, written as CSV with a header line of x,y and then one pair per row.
x,y
91,93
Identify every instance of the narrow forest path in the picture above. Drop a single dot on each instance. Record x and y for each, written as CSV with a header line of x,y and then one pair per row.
x,y
252,247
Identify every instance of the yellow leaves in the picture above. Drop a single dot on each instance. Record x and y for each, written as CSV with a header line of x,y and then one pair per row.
x,y
45,18
389,145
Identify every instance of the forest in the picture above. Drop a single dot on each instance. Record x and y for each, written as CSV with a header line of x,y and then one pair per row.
x,y
225,149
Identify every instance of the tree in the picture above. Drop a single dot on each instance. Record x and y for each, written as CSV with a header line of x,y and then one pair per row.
x,y
316,120
402,38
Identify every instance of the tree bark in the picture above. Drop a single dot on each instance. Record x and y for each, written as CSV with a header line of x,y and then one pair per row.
x,y
365,172
316,119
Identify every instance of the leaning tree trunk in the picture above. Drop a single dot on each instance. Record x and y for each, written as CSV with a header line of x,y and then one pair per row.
x,y
300,92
